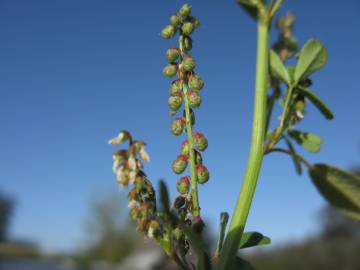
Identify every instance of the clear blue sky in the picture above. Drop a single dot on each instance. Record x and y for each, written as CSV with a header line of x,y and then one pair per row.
x,y
73,73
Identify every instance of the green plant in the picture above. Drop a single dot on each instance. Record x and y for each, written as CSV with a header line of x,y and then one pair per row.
x,y
178,228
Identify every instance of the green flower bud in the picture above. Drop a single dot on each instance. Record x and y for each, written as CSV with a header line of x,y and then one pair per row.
x,y
172,54
200,141
175,20
188,63
194,99
177,126
183,186
185,148
187,43
198,157
170,70
187,28
169,31
202,174
185,10
175,87
180,163
175,102
195,82
178,234
179,202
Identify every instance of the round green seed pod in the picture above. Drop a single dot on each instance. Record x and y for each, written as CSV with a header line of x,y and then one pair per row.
x,y
183,186
172,54
175,102
185,148
194,99
185,10
200,141
195,82
175,20
176,87
180,163
187,28
202,174
169,31
187,43
177,126
188,63
170,70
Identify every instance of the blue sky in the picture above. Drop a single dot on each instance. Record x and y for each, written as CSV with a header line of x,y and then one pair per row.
x,y
74,73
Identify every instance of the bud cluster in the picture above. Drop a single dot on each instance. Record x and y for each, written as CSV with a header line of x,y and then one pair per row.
x,y
185,92
127,167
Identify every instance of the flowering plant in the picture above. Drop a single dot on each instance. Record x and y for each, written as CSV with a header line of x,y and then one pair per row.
x,y
178,227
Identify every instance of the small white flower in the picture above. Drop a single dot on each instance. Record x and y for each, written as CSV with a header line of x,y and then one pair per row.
x,y
143,154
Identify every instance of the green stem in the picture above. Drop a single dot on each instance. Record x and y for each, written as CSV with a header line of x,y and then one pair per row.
x,y
193,174
247,191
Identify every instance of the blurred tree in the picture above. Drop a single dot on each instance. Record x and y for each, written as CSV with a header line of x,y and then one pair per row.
x,y
6,209
110,238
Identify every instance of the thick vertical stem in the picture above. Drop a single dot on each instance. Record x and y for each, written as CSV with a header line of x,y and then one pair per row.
x,y
247,191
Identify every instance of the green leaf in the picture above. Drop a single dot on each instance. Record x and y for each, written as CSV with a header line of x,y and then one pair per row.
x,y
278,69
164,196
240,264
312,57
250,9
340,188
297,162
308,141
316,101
251,239
224,218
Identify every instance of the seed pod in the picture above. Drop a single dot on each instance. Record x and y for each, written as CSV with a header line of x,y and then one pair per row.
x,y
177,126
172,54
178,234
200,141
175,102
169,31
179,202
198,157
170,70
187,28
202,174
187,43
175,87
185,10
175,20
183,186
188,63
195,82
180,163
185,148
194,99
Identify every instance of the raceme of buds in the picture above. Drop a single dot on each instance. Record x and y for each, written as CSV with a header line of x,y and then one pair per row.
x,y
178,126
188,63
180,163
170,70
183,186
169,31
175,101
202,174
187,28
194,99
172,54
200,141
195,82
175,87
185,10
